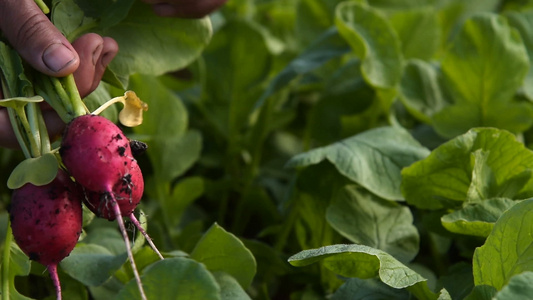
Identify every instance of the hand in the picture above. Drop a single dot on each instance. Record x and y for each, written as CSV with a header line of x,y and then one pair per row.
x,y
43,46
184,8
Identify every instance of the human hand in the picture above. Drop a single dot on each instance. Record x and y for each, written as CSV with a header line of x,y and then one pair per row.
x,y
43,46
184,8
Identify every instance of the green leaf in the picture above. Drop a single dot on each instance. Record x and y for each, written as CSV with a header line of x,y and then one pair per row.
x,y
107,12
380,224
12,71
523,22
477,219
153,45
237,61
184,193
92,264
36,170
174,278
420,90
485,66
418,30
373,159
229,287
220,250
327,46
17,102
518,288
356,288
365,262
445,179
373,39
507,251
171,148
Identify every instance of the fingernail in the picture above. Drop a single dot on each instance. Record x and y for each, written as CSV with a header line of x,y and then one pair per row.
x,y
57,56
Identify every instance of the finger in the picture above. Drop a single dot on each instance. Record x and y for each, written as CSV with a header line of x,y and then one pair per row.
x,y
95,54
36,39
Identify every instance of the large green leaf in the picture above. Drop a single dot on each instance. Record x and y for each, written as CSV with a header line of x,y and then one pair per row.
x,y
174,278
418,30
518,288
485,66
236,61
229,287
523,22
483,163
374,222
508,250
373,159
373,39
327,46
14,263
36,170
477,219
153,45
220,250
365,262
92,264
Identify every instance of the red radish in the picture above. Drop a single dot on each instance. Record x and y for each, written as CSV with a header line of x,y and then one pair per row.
x,y
96,152
47,221
98,155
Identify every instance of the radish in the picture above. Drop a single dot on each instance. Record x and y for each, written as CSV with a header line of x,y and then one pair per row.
x,y
47,221
98,155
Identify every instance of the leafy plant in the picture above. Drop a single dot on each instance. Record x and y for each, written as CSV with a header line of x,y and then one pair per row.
x,y
313,149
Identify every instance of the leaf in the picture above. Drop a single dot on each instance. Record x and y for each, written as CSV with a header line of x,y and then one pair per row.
x,y
174,278
418,30
365,262
12,71
237,61
380,224
153,45
373,159
420,90
444,179
507,250
326,47
518,288
107,12
477,219
356,288
184,194
485,66
92,264
36,170
373,40
523,22
229,287
220,250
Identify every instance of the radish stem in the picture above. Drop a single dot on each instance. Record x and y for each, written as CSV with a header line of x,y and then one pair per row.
x,y
145,234
52,270
122,227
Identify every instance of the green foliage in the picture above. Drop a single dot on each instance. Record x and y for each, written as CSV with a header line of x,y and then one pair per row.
x,y
312,149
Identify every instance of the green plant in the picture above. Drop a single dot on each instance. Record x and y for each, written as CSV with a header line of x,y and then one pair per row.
x,y
313,149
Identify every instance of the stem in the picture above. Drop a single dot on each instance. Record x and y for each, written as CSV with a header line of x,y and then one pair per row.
x,y
137,224
118,215
52,270
42,6
74,95
45,139
34,149
5,262
100,109
48,93
33,113
18,132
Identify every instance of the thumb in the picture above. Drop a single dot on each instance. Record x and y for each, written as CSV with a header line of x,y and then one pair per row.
x,y
36,39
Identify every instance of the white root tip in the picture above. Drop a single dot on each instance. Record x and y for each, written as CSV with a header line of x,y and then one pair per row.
x,y
137,224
